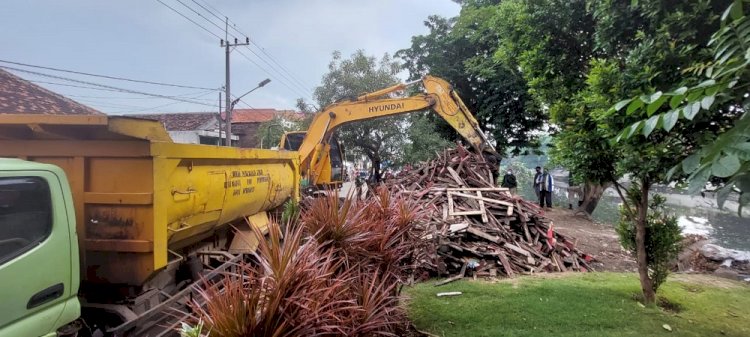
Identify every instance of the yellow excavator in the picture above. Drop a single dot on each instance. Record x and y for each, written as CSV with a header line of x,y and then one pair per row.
x,y
320,155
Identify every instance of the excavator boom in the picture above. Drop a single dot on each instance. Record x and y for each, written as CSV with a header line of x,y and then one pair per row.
x,y
438,95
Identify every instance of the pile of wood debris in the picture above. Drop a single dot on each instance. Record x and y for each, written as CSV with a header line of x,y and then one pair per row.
x,y
473,227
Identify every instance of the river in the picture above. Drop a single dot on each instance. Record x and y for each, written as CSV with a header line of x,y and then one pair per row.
x,y
695,214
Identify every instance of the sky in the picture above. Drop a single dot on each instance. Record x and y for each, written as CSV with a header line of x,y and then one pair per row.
x,y
146,40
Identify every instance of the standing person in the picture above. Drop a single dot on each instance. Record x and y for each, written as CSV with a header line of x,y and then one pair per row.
x,y
537,180
545,188
510,182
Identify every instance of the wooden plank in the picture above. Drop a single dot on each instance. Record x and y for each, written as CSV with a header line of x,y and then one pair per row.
x,y
458,227
506,264
469,196
470,189
521,214
455,176
450,293
516,249
526,232
459,276
467,213
481,207
483,235
450,204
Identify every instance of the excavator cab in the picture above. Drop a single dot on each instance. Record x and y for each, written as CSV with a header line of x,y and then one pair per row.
x,y
332,162
291,141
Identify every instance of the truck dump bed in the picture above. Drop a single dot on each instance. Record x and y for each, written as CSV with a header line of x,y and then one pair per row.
x,y
139,195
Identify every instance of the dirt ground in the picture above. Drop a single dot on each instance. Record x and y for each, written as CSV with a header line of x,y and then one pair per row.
x,y
599,240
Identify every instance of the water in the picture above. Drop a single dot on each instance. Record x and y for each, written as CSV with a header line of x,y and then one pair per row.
x,y
725,228
695,214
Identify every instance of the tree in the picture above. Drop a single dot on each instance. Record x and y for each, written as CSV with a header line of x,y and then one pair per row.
x,y
379,139
270,132
552,43
424,140
723,157
457,50
666,40
579,58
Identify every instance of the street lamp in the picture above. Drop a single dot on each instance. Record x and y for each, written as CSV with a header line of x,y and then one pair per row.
x,y
231,108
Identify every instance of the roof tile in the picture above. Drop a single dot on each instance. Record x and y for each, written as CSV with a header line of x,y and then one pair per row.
x,y
19,96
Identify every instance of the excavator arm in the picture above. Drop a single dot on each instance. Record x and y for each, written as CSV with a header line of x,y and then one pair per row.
x,y
438,96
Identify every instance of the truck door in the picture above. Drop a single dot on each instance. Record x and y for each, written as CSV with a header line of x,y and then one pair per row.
x,y
35,253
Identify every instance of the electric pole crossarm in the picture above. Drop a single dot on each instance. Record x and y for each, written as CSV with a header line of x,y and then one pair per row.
x,y
228,102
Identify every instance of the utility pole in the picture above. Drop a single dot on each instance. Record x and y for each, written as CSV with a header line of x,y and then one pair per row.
x,y
220,126
228,104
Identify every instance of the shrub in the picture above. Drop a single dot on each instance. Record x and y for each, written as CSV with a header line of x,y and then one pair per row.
x,y
336,274
662,237
292,291
375,236
290,213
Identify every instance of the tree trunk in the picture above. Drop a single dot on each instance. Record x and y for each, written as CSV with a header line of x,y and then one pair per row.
x,y
647,285
376,168
592,193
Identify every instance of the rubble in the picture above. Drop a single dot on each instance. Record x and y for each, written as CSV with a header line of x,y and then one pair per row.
x,y
474,228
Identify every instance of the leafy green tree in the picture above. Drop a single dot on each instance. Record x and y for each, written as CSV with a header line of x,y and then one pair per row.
x,y
270,132
380,139
458,50
579,58
424,140
723,157
552,43
667,39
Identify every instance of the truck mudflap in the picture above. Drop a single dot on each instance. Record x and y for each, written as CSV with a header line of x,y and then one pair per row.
x,y
164,319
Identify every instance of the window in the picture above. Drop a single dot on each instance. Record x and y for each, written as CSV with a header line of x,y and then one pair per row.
x,y
294,141
337,165
25,215
208,140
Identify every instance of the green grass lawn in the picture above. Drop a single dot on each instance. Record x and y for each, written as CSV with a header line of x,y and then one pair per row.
x,y
593,304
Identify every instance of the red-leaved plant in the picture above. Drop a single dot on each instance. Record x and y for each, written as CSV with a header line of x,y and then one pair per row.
x,y
336,273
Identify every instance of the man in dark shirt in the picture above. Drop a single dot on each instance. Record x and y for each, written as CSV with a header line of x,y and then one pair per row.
x,y
509,182
537,178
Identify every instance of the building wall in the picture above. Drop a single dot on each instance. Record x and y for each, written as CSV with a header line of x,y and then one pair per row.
x,y
247,133
185,137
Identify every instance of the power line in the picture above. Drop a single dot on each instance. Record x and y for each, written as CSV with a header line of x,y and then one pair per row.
x,y
283,82
118,91
107,104
305,91
107,76
73,86
243,102
106,86
189,19
159,106
201,15
200,94
147,109
277,71
267,72
213,12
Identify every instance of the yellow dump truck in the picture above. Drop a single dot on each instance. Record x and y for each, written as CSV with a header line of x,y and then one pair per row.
x,y
146,209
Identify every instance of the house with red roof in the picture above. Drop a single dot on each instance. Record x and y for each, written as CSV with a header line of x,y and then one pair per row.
x,y
204,127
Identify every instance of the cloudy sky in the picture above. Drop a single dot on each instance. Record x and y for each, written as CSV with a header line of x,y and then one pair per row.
x,y
146,40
